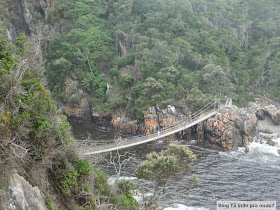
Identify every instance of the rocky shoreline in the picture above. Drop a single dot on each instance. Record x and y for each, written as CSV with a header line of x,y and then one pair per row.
x,y
230,129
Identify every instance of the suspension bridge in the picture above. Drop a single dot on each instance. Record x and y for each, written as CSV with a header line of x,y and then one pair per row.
x,y
209,110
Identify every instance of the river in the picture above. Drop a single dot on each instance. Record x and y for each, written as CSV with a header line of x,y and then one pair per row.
x,y
223,175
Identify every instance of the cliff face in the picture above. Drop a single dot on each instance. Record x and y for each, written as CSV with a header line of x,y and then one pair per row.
x,y
21,16
229,129
154,119
20,195
29,17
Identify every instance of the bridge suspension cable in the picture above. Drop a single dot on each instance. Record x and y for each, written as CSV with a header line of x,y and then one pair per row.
x,y
209,110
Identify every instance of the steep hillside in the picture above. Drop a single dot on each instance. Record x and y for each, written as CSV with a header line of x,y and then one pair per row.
x,y
39,162
130,55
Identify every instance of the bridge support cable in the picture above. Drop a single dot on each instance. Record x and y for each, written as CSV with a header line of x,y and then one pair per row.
x,y
209,110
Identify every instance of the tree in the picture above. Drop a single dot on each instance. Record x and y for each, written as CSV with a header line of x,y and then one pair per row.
x,y
164,167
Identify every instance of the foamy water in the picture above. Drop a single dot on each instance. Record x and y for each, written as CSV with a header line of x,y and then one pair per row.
x,y
259,151
184,207
232,175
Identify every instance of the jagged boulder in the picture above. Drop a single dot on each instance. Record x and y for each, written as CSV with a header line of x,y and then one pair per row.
x,y
273,112
154,119
272,143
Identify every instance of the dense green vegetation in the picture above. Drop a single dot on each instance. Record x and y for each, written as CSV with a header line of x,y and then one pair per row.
x,y
164,52
164,167
36,140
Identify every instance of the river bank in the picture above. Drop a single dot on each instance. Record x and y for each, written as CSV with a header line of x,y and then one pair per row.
x,y
223,174
231,128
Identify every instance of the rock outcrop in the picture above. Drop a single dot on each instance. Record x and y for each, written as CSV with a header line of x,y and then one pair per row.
x,y
20,195
229,129
154,119
269,118
47,6
273,112
80,114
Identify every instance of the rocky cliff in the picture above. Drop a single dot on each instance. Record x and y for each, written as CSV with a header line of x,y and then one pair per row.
x,y
229,129
154,119
21,16
20,195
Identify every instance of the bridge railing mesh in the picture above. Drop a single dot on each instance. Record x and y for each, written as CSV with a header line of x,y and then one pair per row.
x,y
213,106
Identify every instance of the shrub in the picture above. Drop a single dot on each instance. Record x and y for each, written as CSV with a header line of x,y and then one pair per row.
x,y
126,80
126,185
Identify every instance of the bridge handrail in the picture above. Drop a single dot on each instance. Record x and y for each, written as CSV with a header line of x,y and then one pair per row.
x,y
126,142
182,123
185,120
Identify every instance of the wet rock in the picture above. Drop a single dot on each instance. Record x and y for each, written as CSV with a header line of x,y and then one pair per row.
x,y
278,151
274,113
260,114
239,123
265,136
154,119
272,143
247,149
229,129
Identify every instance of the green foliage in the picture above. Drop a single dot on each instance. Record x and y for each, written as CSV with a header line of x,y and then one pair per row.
x,y
117,102
20,43
122,201
126,80
69,177
35,102
6,63
40,122
78,52
126,60
83,166
49,203
114,72
126,186
181,52
100,183
29,116
83,208
165,166
125,201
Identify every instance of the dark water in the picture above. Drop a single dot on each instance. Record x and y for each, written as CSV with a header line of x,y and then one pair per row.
x,y
253,176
